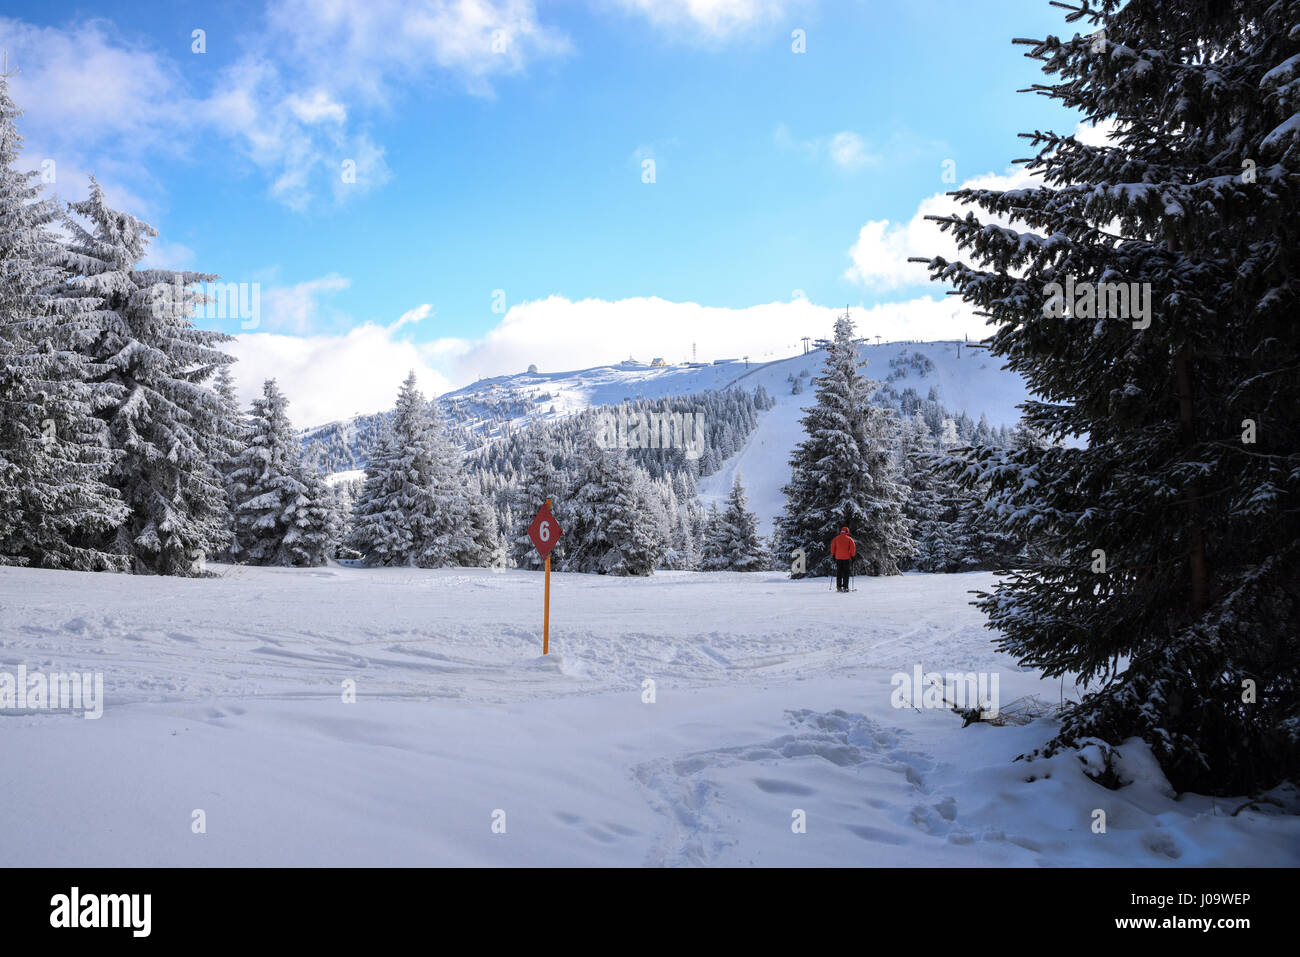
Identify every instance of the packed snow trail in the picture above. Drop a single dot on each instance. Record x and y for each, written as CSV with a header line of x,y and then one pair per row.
x,y
225,696
463,633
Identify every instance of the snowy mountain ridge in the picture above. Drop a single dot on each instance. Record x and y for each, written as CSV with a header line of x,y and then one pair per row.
x,y
964,379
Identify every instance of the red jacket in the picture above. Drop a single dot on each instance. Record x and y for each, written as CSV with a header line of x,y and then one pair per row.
x,y
844,546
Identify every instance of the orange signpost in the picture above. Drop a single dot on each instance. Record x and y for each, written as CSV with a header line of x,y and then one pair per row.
x,y
545,532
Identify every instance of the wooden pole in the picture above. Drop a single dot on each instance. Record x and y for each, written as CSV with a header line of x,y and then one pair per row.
x,y
546,602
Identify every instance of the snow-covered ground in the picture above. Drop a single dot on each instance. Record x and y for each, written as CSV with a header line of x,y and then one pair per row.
x,y
771,698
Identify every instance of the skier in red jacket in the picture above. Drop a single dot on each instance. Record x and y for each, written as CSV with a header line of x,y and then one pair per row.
x,y
842,550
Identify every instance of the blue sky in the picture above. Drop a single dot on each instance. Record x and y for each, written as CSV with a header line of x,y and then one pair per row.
x,y
500,212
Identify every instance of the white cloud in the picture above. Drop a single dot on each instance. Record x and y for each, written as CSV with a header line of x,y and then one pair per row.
x,y
163,254
290,103
317,108
1098,135
96,103
360,49
713,19
328,377
300,139
412,316
85,82
333,376
879,256
846,149
297,307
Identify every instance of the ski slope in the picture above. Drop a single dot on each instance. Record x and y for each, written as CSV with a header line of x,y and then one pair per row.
x,y
975,384
771,697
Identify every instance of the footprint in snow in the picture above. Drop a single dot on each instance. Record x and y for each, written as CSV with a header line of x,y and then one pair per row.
x,y
1162,844
773,786
875,834
606,833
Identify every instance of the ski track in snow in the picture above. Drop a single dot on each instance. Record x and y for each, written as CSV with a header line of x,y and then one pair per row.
x,y
441,634
773,697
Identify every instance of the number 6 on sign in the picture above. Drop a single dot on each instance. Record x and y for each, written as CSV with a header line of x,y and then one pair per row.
x,y
543,541
544,531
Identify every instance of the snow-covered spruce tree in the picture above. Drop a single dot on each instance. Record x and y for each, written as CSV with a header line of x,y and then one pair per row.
x,y
1170,540
605,520
483,546
924,507
844,472
461,529
320,526
380,533
279,517
416,507
148,363
979,542
537,482
54,503
735,544
225,443
713,550
392,520
684,541
344,496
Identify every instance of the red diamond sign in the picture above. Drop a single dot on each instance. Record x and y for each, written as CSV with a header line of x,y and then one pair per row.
x,y
544,531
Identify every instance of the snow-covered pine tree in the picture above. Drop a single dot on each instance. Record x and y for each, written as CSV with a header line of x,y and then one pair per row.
x,y
650,532
280,518
344,495
925,492
1169,539
394,515
54,503
416,507
713,549
537,482
225,443
603,515
844,472
380,532
150,364
459,529
320,523
740,547
685,538
484,547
